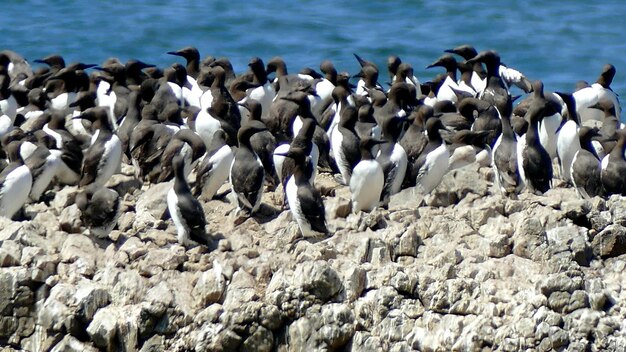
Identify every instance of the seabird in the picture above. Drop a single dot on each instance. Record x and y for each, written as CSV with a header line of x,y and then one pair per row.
x,y
601,89
495,92
247,174
367,181
305,201
568,142
134,72
586,167
534,162
614,168
264,93
433,162
213,171
392,157
504,160
99,209
16,181
345,144
104,156
185,210
188,145
414,141
447,89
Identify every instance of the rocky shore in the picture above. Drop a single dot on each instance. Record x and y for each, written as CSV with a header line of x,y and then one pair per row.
x,y
471,271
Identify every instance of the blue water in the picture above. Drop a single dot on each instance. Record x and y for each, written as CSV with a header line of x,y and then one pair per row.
x,y
557,42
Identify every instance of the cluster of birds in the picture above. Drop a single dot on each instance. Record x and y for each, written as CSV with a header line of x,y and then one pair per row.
x,y
61,125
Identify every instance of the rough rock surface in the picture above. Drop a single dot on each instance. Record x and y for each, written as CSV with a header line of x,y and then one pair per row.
x,y
473,270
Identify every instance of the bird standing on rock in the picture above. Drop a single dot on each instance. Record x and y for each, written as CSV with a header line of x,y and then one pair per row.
x,y
367,180
305,201
246,172
103,158
187,213
16,181
534,162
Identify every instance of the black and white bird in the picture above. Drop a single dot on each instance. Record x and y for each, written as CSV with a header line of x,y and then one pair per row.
x,y
434,160
185,210
367,180
495,91
614,168
504,160
103,158
586,166
345,143
16,181
568,142
100,207
305,201
534,162
599,90
392,157
247,174
214,169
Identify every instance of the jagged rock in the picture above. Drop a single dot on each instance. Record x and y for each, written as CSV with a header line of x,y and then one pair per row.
x,y
154,344
210,287
134,247
497,232
151,205
159,298
617,208
71,344
9,257
157,260
82,254
318,278
10,230
69,219
353,278
529,239
103,328
570,241
63,198
261,340
408,198
88,298
610,242
44,266
329,329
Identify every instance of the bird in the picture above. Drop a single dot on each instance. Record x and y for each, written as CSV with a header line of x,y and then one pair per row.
x,y
100,207
305,201
549,122
185,143
534,162
185,210
104,156
447,89
504,160
433,162
613,168
247,174
586,166
213,171
568,142
16,181
590,95
264,93
495,91
43,166
345,144
367,180
392,157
